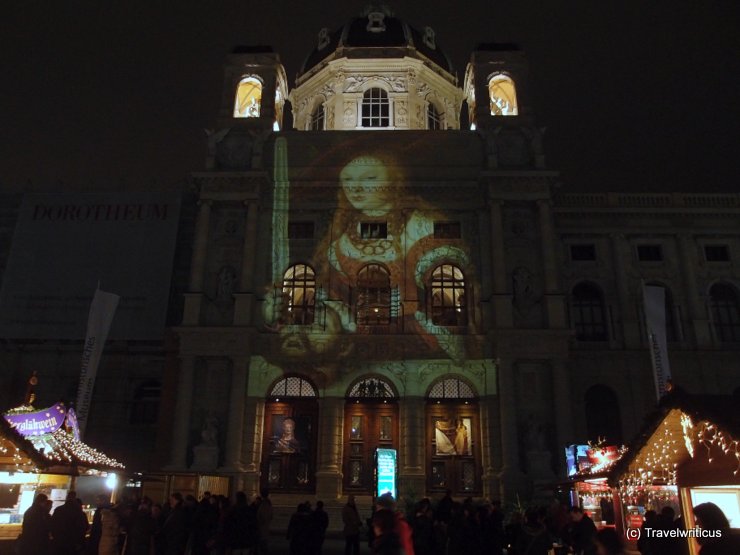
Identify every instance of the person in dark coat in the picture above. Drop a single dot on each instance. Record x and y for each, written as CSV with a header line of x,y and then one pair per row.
x,y
240,526
174,533
724,540
68,527
300,532
422,526
101,502
321,523
141,534
387,541
352,524
534,539
34,538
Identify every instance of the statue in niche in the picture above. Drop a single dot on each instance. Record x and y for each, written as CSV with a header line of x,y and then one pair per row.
x,y
209,433
535,438
226,283
524,295
535,137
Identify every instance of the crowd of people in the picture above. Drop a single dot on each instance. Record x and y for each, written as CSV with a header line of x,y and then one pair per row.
x,y
214,526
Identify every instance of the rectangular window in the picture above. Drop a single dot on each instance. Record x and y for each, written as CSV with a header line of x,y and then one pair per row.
x,y
373,230
300,230
447,230
649,253
582,253
717,253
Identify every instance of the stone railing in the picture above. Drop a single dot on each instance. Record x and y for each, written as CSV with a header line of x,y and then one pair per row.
x,y
647,200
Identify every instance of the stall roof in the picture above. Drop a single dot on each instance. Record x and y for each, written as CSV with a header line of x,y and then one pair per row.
x,y
56,452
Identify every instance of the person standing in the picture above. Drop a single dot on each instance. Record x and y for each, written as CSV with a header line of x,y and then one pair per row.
x,y
724,540
352,523
264,518
68,527
174,533
582,532
321,522
34,538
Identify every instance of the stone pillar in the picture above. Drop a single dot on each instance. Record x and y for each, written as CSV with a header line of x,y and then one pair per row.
x,y
183,407
244,300
254,421
489,427
412,460
502,308
697,309
237,398
511,477
554,299
331,435
194,298
561,389
621,260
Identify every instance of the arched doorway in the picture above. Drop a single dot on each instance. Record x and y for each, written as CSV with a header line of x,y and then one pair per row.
x,y
289,438
370,421
453,437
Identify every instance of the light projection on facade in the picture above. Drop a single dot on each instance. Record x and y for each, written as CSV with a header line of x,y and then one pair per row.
x,y
502,93
248,98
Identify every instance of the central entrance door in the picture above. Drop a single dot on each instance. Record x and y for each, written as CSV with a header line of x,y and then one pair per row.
x,y
370,421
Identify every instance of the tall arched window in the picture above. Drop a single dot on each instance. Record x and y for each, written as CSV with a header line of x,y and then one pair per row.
x,y
317,119
299,291
145,405
248,98
588,313
453,452
502,93
434,118
289,438
448,296
376,108
725,312
373,296
603,417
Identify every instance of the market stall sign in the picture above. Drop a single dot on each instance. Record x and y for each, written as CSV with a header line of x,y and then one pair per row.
x,y
38,423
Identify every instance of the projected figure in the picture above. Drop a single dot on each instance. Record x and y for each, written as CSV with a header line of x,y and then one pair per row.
x,y
287,442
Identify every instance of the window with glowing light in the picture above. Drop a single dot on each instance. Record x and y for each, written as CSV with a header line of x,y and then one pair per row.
x,y
373,296
588,313
725,307
376,108
317,119
449,307
299,291
248,98
502,93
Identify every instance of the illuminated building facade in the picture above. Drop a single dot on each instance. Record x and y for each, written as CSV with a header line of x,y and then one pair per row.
x,y
395,273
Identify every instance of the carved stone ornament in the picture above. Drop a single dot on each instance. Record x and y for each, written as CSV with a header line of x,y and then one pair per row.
x,y
354,83
423,89
349,114
234,150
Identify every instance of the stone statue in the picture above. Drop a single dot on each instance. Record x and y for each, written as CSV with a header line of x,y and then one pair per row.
x,y
226,283
209,434
524,296
535,439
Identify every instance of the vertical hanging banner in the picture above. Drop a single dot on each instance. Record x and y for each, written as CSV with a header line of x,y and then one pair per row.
x,y
98,324
654,302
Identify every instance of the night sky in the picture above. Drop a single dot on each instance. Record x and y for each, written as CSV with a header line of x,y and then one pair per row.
x,y
635,95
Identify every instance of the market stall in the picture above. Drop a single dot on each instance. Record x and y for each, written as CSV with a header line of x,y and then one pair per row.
x,y
40,452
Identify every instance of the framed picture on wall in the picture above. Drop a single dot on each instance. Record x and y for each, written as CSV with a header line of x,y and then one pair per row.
x,y
452,436
290,434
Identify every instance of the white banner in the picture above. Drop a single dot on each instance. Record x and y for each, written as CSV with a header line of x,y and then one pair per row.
x,y
98,324
654,302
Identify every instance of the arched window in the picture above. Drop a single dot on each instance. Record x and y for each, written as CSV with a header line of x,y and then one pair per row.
x,y
453,453
373,296
248,98
725,312
371,388
603,417
376,108
145,405
299,290
317,119
292,387
588,313
502,93
448,296
671,327
434,118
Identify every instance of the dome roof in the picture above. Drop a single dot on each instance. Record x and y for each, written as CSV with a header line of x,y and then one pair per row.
x,y
376,28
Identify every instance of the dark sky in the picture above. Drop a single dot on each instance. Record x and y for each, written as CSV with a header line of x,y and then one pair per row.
x,y
635,95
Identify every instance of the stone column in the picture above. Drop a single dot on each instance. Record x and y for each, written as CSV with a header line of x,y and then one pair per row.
x,y
489,427
502,309
331,435
254,421
511,477
554,299
697,309
244,299
621,260
561,389
183,407
237,399
194,298
412,456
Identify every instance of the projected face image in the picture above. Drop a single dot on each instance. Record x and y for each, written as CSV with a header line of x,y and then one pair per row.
x,y
366,186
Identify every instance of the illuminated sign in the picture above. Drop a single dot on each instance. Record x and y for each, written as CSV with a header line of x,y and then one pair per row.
x,y
385,472
37,423
576,457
